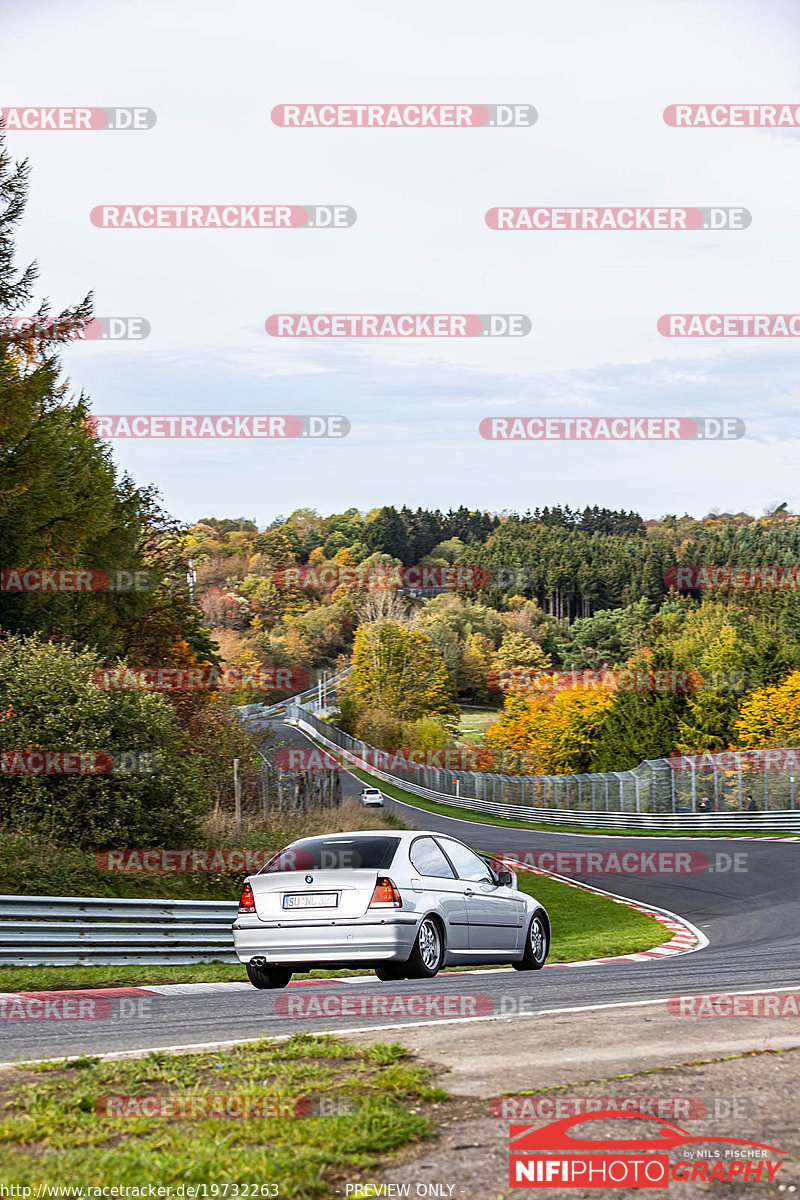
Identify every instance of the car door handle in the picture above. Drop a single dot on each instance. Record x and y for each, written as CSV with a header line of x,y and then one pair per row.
x,y
468,892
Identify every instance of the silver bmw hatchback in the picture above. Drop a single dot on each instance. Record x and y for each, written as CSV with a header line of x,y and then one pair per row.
x,y
405,903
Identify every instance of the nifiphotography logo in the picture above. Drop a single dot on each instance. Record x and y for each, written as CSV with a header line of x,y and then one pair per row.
x,y
552,1156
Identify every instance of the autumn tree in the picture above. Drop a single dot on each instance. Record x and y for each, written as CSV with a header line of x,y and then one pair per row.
x,y
770,716
540,735
399,670
517,650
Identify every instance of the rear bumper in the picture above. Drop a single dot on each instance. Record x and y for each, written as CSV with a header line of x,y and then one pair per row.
x,y
366,940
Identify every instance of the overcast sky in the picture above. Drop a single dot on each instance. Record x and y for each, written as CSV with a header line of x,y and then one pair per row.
x,y
599,75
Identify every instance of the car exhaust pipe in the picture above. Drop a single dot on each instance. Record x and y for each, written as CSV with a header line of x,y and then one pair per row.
x,y
258,960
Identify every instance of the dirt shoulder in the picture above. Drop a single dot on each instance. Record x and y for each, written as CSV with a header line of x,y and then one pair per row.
x,y
711,1076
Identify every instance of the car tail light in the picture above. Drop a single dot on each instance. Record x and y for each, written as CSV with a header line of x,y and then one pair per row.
x,y
385,894
247,903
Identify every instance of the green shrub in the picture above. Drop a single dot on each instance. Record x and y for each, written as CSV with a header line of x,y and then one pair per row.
x,y
48,702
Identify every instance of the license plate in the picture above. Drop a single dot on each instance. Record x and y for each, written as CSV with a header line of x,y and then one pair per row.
x,y
311,900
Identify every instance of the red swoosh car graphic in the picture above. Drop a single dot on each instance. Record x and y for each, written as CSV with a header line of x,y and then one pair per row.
x,y
556,1136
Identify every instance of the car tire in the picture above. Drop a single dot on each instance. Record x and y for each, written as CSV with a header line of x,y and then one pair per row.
x,y
268,976
537,944
389,972
428,953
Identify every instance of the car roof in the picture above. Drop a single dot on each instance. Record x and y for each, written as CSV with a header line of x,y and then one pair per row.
x,y
405,835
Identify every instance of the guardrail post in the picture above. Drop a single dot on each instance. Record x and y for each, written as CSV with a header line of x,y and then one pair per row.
x,y
265,791
237,796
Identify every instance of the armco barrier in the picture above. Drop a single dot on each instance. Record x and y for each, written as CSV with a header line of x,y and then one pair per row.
x,y
653,795
75,930
258,712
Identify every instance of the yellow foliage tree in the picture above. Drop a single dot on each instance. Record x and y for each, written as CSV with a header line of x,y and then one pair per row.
x,y
555,736
770,716
399,671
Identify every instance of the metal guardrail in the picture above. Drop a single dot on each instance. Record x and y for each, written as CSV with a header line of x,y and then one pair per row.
x,y
82,931
651,786
256,712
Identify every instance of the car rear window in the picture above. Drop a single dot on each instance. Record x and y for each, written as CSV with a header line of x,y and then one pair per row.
x,y
335,854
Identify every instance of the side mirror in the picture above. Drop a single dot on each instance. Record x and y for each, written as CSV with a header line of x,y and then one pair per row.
x,y
504,879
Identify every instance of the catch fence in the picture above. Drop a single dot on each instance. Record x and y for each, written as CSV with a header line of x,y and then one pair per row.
x,y
740,792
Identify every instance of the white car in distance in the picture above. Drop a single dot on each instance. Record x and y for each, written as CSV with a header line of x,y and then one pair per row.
x,y
372,798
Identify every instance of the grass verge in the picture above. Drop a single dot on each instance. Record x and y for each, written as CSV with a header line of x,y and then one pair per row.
x,y
589,926
51,979
378,1097
475,721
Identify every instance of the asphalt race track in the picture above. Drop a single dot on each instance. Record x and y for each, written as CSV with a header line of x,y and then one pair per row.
x,y
751,918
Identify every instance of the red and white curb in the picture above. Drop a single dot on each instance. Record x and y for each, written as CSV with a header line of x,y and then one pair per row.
x,y
685,939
